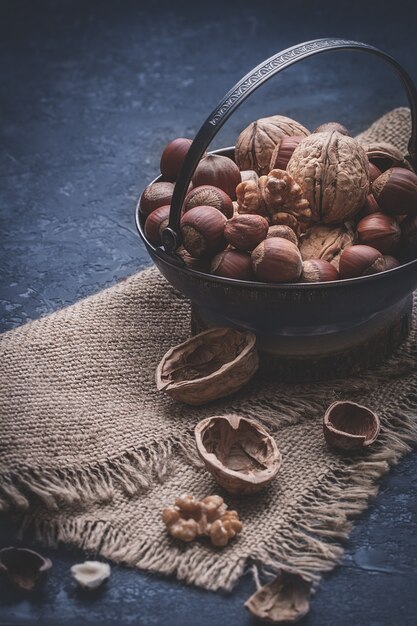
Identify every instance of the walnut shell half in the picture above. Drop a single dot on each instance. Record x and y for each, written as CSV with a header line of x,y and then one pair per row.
x,y
211,365
348,425
333,172
240,453
326,242
384,155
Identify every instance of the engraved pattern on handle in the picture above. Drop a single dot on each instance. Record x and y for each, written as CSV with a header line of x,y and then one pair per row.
x,y
171,236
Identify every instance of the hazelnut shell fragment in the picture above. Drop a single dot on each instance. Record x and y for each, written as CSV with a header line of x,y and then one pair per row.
x,y
348,425
210,365
239,452
23,567
90,574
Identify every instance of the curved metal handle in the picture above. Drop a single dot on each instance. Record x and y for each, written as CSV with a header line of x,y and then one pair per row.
x,y
171,236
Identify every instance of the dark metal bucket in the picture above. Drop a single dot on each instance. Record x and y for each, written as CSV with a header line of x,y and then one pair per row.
x,y
307,330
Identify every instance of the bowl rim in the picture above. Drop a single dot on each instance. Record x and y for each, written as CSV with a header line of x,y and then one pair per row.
x,y
247,284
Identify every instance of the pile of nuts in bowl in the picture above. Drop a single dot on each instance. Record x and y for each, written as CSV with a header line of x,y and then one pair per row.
x,y
293,206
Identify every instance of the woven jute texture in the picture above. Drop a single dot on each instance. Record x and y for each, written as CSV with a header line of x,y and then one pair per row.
x,y
91,453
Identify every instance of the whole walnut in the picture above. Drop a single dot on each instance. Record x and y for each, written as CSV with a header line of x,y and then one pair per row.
x,y
333,171
326,242
258,141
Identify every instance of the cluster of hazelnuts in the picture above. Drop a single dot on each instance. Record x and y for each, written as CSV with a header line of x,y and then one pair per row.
x,y
247,225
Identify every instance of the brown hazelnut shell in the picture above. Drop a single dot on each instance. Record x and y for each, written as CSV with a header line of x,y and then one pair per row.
x,y
379,231
281,230
207,195
239,453
23,567
156,222
277,260
360,260
210,365
283,152
245,231
218,171
349,426
154,196
173,157
202,230
232,264
396,191
318,271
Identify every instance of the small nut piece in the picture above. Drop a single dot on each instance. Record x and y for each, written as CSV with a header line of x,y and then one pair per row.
x,y
210,365
396,191
245,232
249,198
379,231
348,425
207,195
202,230
281,194
239,452
318,271
90,574
277,260
232,264
190,518
360,261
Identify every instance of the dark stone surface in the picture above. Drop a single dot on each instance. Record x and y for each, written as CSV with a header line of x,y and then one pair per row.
x,y
91,92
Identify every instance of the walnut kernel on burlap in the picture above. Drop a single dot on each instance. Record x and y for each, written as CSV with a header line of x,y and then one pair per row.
x,y
90,453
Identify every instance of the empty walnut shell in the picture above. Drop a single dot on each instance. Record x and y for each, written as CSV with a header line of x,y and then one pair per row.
x,y
23,567
240,453
384,155
213,364
350,426
284,599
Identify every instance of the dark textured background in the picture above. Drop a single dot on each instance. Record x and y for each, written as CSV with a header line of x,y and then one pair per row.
x,y
90,93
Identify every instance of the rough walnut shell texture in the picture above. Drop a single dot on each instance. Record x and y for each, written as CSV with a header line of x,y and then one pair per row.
x,y
285,599
211,365
326,242
258,141
240,453
333,172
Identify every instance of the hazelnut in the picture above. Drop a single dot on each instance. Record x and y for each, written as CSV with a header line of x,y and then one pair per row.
x,y
232,264
379,231
202,230
198,265
318,271
374,172
173,157
283,152
360,261
245,232
329,126
154,196
207,195
219,171
348,425
390,262
155,224
409,238
396,191
281,230
384,155
370,206
277,260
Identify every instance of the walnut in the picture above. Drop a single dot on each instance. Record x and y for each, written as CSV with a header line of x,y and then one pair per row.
x,y
257,142
326,242
249,198
281,194
333,172
190,518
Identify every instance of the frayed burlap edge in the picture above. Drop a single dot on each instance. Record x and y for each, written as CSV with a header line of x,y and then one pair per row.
x,y
309,545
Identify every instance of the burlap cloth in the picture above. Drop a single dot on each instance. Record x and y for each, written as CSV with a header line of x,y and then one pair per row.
x,y
91,453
